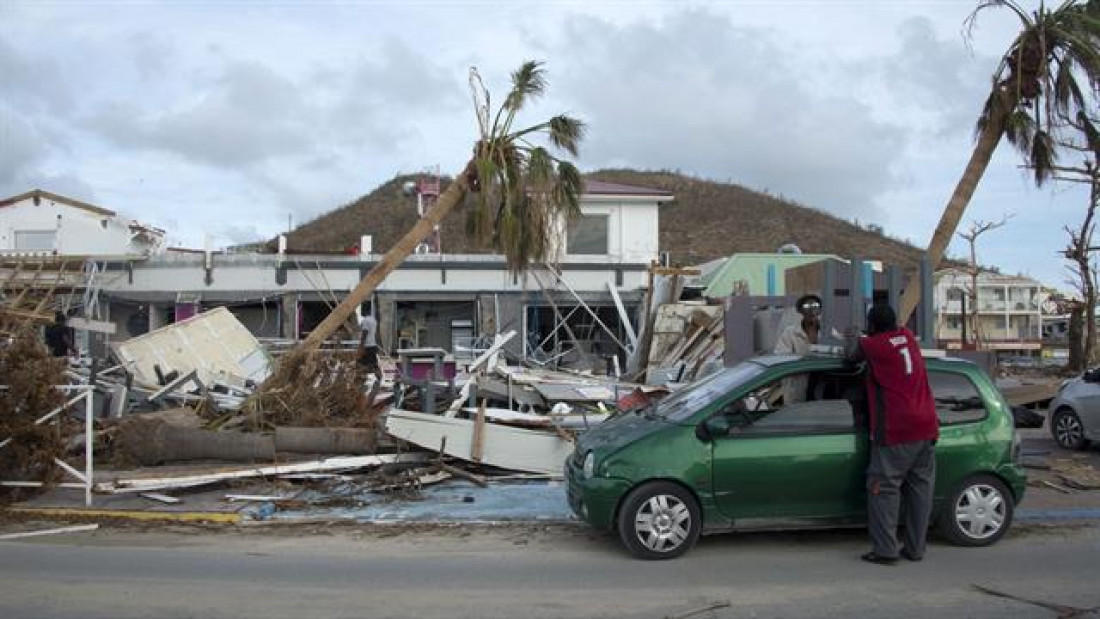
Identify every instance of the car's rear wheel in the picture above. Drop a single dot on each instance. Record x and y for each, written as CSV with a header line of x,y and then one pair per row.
x,y
979,512
659,520
1067,429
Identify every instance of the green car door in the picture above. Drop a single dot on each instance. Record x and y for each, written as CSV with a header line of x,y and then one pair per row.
x,y
804,460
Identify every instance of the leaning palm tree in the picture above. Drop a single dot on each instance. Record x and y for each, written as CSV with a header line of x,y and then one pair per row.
x,y
522,192
1037,83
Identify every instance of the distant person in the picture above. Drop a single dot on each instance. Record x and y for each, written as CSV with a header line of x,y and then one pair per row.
x,y
904,429
59,337
796,340
368,347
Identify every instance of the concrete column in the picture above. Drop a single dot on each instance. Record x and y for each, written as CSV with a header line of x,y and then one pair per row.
x,y
288,315
385,312
156,316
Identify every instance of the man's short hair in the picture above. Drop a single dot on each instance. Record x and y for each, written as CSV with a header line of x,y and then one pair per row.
x,y
807,299
59,317
881,318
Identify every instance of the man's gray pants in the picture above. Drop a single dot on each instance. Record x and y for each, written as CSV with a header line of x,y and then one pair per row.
x,y
905,472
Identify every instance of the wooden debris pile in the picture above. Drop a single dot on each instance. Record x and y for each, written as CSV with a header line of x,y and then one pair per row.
x,y
688,342
313,388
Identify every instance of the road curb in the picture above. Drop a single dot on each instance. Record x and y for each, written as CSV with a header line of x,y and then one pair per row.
x,y
129,514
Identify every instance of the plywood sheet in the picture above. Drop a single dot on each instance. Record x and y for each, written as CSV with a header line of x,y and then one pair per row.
x,y
214,343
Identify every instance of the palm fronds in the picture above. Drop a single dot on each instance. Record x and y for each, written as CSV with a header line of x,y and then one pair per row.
x,y
524,195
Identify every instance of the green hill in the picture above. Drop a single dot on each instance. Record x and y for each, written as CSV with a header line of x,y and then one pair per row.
x,y
707,220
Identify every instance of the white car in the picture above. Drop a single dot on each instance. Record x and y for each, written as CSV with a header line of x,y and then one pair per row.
x,y
1075,413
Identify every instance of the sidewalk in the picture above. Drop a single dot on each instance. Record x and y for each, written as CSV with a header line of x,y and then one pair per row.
x,y
456,501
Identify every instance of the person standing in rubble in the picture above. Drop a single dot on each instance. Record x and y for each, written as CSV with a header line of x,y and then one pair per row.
x,y
904,429
368,347
796,340
59,337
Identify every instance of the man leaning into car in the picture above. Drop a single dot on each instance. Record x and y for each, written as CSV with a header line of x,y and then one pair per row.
x,y
904,429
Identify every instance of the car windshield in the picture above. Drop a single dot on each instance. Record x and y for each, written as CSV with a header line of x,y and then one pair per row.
x,y
685,402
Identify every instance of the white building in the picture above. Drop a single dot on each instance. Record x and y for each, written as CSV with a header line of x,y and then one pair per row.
x,y
1009,314
42,223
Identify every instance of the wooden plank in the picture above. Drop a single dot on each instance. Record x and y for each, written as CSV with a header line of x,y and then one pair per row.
x,y
120,486
74,529
1030,394
670,271
160,498
478,447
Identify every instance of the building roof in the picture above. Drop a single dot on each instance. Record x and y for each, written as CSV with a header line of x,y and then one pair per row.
x,y
988,277
753,270
600,188
53,197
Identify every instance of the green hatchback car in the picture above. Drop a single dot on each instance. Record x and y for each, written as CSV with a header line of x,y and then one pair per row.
x,y
781,442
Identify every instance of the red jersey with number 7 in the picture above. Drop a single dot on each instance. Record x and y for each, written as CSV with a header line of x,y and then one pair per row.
x,y
898,394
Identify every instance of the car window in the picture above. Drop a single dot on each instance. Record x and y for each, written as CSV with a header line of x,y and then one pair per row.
x,y
802,403
806,418
957,399
690,399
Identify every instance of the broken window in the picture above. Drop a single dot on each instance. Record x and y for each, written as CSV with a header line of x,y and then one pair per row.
x,y
957,399
587,235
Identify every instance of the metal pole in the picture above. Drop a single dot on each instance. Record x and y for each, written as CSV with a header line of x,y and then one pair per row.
x,y
855,290
89,450
893,282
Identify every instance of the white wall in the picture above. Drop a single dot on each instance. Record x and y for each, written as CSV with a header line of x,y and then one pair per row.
x,y
177,275
631,230
76,231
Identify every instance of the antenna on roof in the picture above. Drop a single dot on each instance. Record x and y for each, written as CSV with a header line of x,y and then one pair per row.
x,y
426,189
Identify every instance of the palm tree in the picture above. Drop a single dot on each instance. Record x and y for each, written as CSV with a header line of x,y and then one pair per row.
x,y
1035,86
523,193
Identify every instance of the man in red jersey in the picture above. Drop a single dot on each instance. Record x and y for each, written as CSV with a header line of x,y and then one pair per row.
x,y
904,429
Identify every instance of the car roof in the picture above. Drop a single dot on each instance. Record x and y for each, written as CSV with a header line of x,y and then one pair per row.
x,y
773,360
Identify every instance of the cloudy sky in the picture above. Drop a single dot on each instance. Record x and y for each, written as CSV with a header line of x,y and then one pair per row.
x,y
229,117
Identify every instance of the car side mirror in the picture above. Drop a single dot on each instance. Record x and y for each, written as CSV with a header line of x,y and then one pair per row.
x,y
712,428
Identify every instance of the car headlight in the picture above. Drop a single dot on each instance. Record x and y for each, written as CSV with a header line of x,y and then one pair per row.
x,y
589,468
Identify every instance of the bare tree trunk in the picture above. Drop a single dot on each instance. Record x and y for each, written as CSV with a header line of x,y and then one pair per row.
x,y
1075,341
974,297
393,258
1091,353
956,206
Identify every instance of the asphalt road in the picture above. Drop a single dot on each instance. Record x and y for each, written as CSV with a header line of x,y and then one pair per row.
x,y
530,572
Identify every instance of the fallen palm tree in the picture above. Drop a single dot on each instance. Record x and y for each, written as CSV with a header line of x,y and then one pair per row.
x,y
523,195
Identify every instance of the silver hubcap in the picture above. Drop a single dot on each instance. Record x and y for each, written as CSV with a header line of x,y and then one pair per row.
x,y
980,511
662,523
1068,430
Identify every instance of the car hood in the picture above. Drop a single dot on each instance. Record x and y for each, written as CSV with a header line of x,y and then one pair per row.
x,y
618,432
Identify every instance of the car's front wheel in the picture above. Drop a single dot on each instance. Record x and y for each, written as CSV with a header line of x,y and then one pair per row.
x,y
659,520
979,513
1067,429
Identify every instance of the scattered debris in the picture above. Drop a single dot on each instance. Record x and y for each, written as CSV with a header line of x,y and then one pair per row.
x,y
1064,612
699,611
58,531
506,447
160,498
350,463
